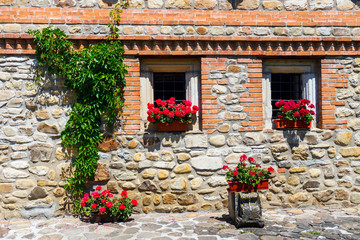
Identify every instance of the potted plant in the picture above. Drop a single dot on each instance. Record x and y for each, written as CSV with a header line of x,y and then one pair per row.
x,y
169,116
247,177
103,207
243,199
294,115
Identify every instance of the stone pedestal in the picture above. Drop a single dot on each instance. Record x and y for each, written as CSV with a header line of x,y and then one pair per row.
x,y
245,209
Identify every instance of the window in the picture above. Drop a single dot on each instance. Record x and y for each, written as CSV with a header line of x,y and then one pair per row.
x,y
287,79
165,78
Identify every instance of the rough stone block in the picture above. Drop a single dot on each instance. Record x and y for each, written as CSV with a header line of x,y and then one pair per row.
x,y
39,210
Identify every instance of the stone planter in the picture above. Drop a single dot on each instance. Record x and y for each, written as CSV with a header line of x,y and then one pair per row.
x,y
245,209
288,124
241,187
175,126
244,204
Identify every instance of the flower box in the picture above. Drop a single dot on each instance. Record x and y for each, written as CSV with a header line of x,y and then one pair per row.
x,y
175,126
288,124
294,115
100,218
242,187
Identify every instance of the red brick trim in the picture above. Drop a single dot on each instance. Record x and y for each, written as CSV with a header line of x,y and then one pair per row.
x,y
330,80
181,17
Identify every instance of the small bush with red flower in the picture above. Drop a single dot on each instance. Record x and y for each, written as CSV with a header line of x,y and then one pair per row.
x,y
247,172
295,111
105,203
167,111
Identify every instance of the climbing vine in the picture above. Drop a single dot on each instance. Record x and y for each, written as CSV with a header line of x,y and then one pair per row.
x,y
97,75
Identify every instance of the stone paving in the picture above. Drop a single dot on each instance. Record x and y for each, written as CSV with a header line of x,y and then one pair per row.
x,y
315,223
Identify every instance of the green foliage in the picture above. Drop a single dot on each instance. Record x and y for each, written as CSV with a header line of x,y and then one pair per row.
x,y
97,75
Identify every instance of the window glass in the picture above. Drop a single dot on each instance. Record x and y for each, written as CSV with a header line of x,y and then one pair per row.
x,y
285,86
167,85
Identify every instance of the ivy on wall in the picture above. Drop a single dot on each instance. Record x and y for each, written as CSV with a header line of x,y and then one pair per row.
x,y
97,75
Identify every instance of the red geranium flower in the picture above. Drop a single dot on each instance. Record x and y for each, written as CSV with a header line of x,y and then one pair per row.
x,y
158,101
187,103
105,192
196,108
150,119
94,206
156,110
98,188
109,204
95,195
166,111
102,209
103,200
134,202
122,207
150,106
270,169
171,114
82,203
235,172
124,194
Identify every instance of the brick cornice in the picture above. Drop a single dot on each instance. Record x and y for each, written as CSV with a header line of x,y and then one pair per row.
x,y
214,46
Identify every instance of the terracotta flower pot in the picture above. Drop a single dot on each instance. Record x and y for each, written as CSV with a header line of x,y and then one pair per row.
x,y
100,218
288,124
242,187
175,126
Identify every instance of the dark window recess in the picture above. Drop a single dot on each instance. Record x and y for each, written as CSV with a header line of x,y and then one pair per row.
x,y
167,85
285,87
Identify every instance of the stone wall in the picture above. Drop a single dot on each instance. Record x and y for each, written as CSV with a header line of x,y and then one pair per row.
x,y
182,172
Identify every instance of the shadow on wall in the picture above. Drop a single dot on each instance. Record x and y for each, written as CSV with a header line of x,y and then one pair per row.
x,y
293,137
235,3
152,142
